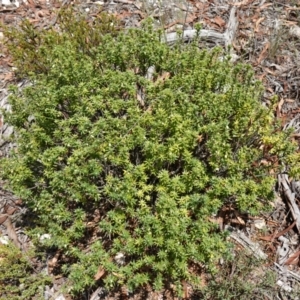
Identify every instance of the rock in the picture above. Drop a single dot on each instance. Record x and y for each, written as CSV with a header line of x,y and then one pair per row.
x,y
4,240
45,236
6,2
60,297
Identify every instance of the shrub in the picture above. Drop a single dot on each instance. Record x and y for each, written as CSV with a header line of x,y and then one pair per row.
x,y
18,280
155,156
244,277
31,48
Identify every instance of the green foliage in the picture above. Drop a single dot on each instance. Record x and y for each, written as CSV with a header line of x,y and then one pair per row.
x,y
241,278
31,48
17,278
156,156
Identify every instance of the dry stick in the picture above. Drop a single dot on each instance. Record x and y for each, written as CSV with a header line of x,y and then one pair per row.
x,y
11,232
191,34
188,35
292,258
232,26
278,234
185,18
225,38
251,246
290,196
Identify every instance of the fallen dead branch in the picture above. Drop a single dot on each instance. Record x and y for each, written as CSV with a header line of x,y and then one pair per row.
x,y
225,38
284,184
243,240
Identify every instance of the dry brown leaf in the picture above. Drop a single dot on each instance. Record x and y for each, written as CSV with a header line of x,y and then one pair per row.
x,y
11,232
289,100
200,138
236,221
182,6
218,220
293,259
140,98
279,106
219,21
262,7
261,77
149,110
201,6
185,289
99,273
7,76
285,86
269,89
256,29
272,223
90,224
268,238
162,77
288,23
241,221
293,8
31,3
53,262
214,220
264,162
270,71
10,209
3,218
277,235
124,293
262,54
245,2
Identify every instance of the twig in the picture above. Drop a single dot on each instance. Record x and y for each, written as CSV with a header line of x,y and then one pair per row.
x,y
290,197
